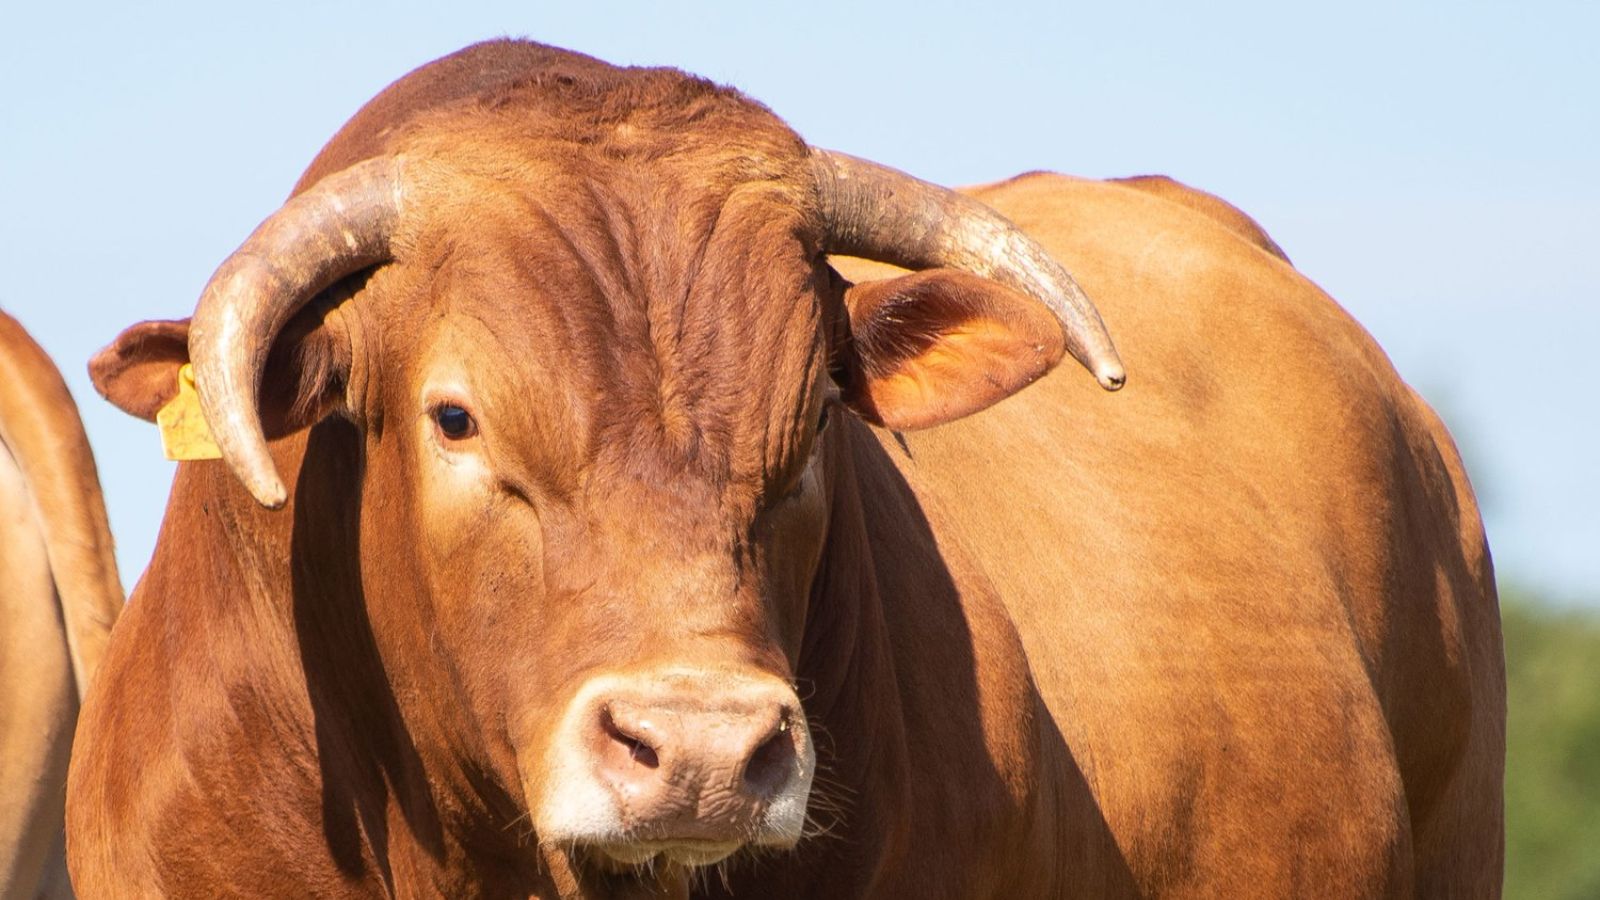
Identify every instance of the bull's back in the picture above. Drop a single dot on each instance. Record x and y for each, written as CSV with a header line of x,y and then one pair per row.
x,y
1252,584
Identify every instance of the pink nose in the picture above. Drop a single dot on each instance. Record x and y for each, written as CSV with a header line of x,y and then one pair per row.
x,y
687,762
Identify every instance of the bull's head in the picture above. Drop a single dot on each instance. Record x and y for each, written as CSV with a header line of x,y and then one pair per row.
x,y
590,385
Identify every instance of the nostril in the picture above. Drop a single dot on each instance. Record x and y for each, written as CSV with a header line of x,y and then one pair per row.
x,y
769,766
633,741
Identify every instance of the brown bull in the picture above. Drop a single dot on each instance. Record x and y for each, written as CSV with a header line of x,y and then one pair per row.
x,y
58,599
591,572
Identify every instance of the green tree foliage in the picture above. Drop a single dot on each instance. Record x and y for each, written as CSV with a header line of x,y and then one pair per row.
x,y
1553,751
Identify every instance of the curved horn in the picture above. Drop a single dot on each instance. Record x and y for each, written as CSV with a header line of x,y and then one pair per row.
x,y
339,225
879,213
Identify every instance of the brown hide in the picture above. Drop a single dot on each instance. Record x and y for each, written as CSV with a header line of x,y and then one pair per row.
x,y
1208,205
1253,587
60,595
1231,632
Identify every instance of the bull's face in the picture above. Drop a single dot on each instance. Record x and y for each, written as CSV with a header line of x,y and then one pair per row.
x,y
608,481
596,478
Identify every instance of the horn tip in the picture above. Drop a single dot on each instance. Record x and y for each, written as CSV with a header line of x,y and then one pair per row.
x,y
1111,376
269,492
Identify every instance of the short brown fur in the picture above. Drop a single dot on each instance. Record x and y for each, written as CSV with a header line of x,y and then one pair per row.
x,y
58,601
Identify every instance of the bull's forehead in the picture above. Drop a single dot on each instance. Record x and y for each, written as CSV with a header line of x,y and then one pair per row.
x,y
627,323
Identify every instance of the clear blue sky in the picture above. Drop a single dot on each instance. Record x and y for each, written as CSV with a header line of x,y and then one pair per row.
x,y
1428,164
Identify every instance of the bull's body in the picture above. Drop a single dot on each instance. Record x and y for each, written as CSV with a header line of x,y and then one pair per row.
x,y
1230,632
58,598
1253,587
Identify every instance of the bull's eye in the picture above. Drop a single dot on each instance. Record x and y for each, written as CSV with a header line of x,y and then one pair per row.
x,y
454,422
822,418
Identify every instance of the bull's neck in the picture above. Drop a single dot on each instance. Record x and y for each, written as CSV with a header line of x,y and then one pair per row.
x,y
914,666
849,686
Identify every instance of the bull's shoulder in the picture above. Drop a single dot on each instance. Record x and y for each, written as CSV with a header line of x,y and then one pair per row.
x,y
1229,216
1215,209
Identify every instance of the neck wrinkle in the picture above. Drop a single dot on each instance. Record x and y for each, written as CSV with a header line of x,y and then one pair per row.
x,y
850,690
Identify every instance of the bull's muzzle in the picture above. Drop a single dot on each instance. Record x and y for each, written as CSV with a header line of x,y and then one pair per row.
x,y
690,766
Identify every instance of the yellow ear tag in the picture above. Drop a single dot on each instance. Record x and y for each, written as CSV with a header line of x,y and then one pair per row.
x,y
184,432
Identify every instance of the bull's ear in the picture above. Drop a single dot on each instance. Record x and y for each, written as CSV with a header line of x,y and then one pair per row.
x,y
138,372
304,379
937,345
